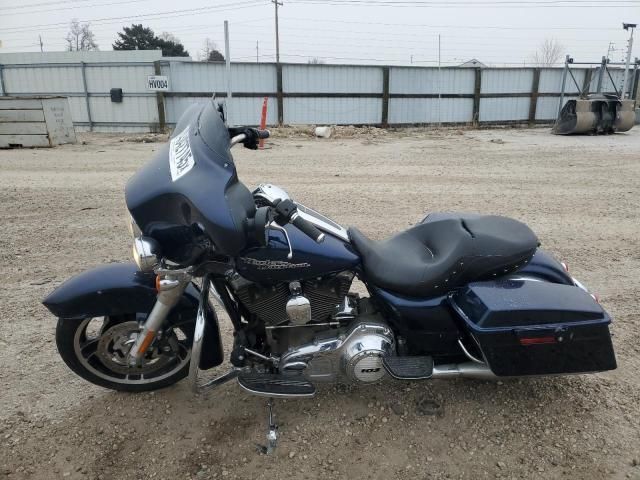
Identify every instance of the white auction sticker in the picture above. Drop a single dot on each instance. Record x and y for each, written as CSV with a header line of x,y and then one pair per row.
x,y
181,159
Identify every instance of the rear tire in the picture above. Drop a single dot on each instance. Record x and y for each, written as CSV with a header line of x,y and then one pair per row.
x,y
99,370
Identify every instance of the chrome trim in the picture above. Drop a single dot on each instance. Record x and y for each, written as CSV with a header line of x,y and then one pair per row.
x,y
198,336
275,226
216,382
580,285
464,370
298,310
272,433
469,356
522,278
275,395
170,291
334,357
322,223
146,253
237,139
272,360
271,193
345,312
323,324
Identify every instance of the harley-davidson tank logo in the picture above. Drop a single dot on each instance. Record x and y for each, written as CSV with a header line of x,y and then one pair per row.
x,y
273,264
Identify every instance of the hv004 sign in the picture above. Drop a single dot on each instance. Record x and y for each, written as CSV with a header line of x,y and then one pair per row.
x,y
158,83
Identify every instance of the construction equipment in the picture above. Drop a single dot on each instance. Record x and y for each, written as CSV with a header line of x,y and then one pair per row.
x,y
595,114
598,113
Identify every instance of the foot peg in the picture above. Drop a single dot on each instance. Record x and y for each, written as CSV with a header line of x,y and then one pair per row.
x,y
409,368
271,385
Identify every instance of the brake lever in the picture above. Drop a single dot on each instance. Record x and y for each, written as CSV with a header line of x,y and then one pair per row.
x,y
274,226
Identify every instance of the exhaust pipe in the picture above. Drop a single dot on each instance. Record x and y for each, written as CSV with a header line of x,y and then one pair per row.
x,y
463,370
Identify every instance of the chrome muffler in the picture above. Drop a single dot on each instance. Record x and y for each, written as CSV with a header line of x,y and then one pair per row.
x,y
463,370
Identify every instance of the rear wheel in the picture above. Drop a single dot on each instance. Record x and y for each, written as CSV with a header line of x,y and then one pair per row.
x,y
97,350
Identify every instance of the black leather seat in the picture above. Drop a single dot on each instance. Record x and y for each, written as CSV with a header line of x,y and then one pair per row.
x,y
434,257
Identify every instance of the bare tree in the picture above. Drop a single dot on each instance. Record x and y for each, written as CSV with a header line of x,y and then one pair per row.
x,y
549,53
169,37
210,52
315,61
80,37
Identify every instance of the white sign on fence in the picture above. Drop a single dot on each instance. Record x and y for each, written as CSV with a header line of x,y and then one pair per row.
x,y
158,83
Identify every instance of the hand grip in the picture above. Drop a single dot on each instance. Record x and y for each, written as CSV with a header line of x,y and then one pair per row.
x,y
308,228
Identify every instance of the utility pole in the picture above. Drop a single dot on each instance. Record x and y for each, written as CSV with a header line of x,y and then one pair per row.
x,y
227,55
41,44
627,26
277,3
257,51
610,49
439,84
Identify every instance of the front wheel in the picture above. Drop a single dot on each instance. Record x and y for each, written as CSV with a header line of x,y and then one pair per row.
x,y
97,350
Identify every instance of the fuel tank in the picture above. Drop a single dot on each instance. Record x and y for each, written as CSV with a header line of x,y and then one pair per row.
x,y
269,264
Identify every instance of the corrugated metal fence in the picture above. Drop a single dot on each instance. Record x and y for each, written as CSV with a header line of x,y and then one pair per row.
x,y
303,94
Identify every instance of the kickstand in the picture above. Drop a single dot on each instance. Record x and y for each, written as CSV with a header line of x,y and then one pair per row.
x,y
272,432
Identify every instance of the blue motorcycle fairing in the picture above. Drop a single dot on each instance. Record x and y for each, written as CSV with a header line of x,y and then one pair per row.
x,y
192,197
120,288
269,264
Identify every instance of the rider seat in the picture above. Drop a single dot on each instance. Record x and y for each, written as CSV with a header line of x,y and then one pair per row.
x,y
435,257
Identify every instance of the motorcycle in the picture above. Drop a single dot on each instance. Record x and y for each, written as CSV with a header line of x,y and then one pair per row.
x,y
456,295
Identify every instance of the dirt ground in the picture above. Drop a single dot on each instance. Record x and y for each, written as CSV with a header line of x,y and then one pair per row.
x,y
62,211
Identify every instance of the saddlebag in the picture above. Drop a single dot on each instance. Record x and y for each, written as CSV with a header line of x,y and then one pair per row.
x,y
527,327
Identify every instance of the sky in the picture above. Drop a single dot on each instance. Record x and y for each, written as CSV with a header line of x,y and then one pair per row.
x,y
496,32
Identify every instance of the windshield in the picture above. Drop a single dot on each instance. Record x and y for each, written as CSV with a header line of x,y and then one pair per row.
x,y
213,131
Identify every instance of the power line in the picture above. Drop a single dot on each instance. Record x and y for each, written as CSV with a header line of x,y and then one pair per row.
x,y
44,4
458,26
71,8
167,14
467,4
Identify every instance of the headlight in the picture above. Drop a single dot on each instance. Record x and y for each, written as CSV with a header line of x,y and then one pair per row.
x,y
146,253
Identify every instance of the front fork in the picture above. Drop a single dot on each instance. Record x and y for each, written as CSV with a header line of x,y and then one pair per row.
x,y
170,285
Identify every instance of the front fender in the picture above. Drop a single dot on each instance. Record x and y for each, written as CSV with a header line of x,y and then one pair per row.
x,y
120,288
113,289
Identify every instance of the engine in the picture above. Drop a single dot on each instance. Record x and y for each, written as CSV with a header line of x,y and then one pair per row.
x,y
350,353
297,303
320,331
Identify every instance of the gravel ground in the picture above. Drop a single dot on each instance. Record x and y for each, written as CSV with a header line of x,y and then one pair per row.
x,y
63,212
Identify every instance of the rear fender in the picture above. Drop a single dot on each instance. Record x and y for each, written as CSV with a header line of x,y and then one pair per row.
x,y
120,288
545,267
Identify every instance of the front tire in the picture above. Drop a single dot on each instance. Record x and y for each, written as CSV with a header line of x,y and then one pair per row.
x,y
96,349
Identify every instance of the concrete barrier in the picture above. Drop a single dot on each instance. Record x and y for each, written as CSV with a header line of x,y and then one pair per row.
x,y
35,122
